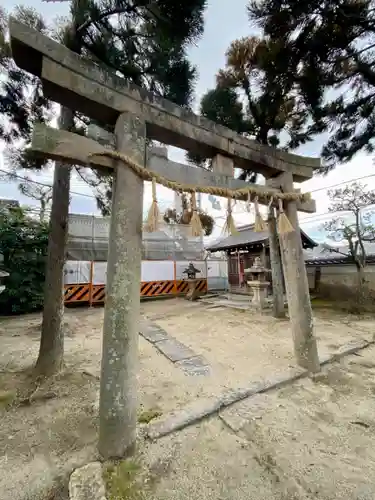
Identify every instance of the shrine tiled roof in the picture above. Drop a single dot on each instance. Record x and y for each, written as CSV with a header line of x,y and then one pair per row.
x,y
328,255
247,238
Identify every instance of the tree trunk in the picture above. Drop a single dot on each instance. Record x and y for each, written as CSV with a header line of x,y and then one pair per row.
x,y
42,212
317,279
278,309
360,275
51,351
360,284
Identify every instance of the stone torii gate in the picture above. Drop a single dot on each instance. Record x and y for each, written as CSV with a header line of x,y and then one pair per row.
x,y
136,114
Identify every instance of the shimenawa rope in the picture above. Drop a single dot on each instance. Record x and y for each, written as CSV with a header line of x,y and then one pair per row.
x,y
148,175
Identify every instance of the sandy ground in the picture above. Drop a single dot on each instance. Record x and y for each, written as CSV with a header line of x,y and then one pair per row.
x,y
242,346
42,439
310,440
319,434
209,462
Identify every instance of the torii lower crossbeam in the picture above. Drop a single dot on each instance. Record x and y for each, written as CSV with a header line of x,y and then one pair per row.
x,y
70,148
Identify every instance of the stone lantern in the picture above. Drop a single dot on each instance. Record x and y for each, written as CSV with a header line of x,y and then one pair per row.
x,y
191,272
258,283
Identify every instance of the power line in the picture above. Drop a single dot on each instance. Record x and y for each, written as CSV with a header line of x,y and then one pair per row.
x,y
306,219
316,216
32,181
16,176
21,178
342,183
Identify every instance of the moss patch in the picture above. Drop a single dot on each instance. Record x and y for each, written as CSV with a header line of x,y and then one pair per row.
x,y
121,480
146,416
342,306
7,398
317,302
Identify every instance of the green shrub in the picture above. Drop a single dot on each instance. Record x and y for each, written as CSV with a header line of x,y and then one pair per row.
x,y
23,246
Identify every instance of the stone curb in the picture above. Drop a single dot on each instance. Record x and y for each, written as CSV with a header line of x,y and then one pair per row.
x,y
204,408
350,348
87,483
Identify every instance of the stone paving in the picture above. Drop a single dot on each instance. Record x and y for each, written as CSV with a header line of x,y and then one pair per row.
x,y
174,350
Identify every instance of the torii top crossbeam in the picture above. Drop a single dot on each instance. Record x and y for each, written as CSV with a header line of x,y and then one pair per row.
x,y
97,92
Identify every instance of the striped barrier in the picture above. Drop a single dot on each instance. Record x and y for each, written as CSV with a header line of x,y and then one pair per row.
x,y
203,286
182,286
77,293
98,294
81,293
157,288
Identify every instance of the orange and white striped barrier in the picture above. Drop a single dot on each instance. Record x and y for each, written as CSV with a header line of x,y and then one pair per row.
x,y
85,293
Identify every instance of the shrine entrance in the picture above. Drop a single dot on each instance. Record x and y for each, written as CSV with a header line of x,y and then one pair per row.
x,y
137,115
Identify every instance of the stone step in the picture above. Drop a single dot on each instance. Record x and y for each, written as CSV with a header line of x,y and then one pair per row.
x,y
236,297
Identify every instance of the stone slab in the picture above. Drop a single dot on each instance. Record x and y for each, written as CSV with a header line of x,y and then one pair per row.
x,y
267,384
351,347
324,359
86,483
238,415
196,365
203,408
216,307
232,304
153,333
184,357
212,295
174,350
345,350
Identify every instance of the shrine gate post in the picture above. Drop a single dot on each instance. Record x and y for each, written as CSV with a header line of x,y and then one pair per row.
x,y
118,382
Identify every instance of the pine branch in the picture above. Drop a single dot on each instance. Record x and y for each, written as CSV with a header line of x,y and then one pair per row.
x,y
105,14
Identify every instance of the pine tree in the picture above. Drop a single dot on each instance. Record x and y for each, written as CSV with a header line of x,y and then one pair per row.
x,y
328,52
221,105
144,44
21,98
272,107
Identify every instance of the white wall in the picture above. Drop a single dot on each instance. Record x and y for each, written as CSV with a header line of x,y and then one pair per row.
x,y
79,272
157,270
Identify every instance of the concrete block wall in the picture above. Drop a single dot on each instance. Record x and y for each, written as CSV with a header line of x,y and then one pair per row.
x,y
340,281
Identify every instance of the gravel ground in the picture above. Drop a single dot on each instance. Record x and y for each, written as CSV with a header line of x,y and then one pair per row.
x,y
42,440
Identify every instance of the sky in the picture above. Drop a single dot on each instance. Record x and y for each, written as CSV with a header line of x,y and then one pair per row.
x,y
224,22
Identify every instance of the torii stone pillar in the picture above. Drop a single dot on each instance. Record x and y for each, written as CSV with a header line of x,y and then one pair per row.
x,y
278,309
118,382
296,283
